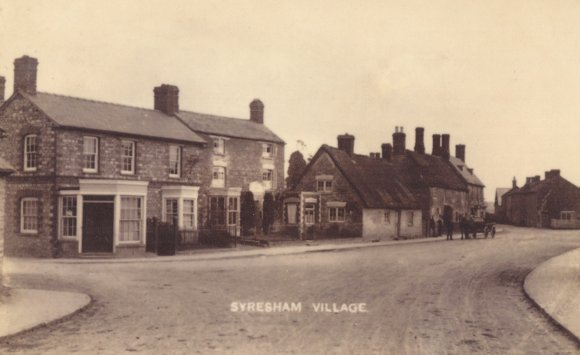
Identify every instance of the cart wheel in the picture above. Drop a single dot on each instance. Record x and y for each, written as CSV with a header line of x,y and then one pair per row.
x,y
486,233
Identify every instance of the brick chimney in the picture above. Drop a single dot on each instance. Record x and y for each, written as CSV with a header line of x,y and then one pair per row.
x,y
387,151
167,99
257,111
460,152
399,141
2,89
436,144
552,173
25,74
445,153
346,143
514,183
419,142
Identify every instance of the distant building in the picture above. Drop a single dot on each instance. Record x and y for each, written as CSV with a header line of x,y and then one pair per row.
x,y
552,202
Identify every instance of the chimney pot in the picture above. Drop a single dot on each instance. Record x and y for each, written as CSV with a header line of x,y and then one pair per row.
x,y
25,70
419,142
257,111
166,99
514,183
436,145
346,143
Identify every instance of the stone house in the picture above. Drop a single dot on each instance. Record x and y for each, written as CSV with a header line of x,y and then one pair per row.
x,y
89,174
341,193
553,202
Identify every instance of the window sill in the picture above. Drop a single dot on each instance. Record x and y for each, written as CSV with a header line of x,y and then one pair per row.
x,y
135,244
174,176
129,173
29,170
28,234
68,239
87,171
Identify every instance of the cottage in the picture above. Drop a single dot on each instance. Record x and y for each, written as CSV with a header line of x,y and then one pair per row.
x,y
89,174
439,182
553,202
345,194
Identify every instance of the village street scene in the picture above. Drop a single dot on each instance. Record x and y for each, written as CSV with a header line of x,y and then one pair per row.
x,y
397,194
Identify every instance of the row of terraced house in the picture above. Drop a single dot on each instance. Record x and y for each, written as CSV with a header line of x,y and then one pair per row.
x,y
86,175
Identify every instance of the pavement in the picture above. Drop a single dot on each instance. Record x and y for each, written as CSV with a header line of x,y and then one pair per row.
x,y
25,309
554,287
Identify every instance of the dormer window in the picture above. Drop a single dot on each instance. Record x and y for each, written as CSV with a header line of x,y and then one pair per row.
x,y
219,146
267,150
30,152
218,176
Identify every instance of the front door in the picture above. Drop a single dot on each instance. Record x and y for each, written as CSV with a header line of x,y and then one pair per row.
x,y
98,218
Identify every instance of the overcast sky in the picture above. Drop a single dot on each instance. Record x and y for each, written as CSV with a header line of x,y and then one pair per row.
x,y
502,77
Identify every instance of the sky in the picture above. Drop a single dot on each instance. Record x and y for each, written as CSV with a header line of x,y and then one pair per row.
x,y
501,77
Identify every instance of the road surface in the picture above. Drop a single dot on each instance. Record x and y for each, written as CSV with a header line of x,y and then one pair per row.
x,y
444,297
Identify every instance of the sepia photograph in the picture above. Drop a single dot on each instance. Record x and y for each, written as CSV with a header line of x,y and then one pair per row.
x,y
290,177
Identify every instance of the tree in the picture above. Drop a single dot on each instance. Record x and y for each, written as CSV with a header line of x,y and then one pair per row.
x,y
268,212
247,212
296,166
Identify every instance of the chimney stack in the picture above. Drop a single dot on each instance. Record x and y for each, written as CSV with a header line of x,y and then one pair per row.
x,y
399,141
436,145
460,152
257,111
552,173
25,74
2,88
387,150
167,99
419,143
445,153
346,143
514,183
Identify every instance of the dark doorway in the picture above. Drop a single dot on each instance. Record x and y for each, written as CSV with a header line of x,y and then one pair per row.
x,y
98,218
448,213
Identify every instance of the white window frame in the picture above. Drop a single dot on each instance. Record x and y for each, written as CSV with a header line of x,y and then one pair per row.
x,y
219,146
337,218
140,220
309,213
324,185
29,154
233,211
177,149
218,176
268,182
191,214
87,154
267,150
22,216
124,156
165,210
181,194
61,217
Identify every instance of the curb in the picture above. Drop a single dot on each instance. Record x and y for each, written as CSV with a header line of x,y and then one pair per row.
x,y
568,333
53,321
262,252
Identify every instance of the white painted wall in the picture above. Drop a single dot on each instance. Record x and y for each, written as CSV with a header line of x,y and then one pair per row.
x,y
375,227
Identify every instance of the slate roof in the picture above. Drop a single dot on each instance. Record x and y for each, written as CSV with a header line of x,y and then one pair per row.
x,y
228,126
74,112
424,170
5,167
375,180
462,170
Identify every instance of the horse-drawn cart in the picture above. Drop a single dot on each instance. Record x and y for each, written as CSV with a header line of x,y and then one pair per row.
x,y
480,225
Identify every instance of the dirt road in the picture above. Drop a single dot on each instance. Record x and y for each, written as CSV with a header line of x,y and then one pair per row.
x,y
447,297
